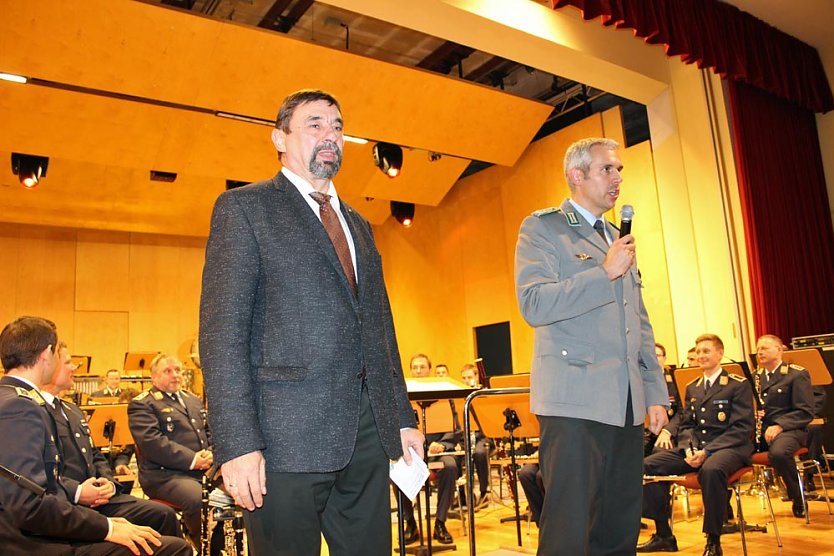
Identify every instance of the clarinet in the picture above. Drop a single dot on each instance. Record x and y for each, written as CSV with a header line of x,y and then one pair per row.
x,y
760,406
204,517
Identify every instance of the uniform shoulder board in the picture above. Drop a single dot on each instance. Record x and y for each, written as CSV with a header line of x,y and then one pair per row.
x,y
739,378
31,394
548,210
696,379
157,396
141,396
793,366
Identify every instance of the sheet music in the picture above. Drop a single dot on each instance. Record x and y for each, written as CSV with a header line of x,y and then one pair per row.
x,y
410,478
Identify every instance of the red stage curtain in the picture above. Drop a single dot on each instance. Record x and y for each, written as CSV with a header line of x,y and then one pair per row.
x,y
716,35
790,243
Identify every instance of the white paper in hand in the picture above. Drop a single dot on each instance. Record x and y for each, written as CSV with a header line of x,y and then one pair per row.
x,y
410,478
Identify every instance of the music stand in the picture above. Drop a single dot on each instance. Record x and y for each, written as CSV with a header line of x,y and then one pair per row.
x,y
139,361
521,380
426,391
108,424
82,363
812,360
500,410
685,375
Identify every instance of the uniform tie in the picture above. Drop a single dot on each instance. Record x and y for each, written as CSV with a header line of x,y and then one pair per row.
x,y
600,228
707,384
337,235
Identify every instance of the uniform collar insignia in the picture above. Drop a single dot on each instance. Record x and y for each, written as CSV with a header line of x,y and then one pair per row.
x,y
573,220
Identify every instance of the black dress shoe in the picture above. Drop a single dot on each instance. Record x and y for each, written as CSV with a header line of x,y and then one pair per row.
x,y
798,509
659,544
713,549
441,535
412,534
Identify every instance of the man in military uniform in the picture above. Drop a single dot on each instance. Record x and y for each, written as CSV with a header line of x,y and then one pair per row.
x,y
87,473
714,440
172,441
665,439
111,385
788,408
36,515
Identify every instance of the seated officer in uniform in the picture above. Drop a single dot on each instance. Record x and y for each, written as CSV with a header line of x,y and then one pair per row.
x,y
666,439
788,408
714,440
172,441
87,473
111,385
36,515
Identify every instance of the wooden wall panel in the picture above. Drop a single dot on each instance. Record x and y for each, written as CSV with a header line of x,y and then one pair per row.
x,y
103,335
108,292
101,273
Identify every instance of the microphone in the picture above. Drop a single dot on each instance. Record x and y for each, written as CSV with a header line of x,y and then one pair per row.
x,y
626,214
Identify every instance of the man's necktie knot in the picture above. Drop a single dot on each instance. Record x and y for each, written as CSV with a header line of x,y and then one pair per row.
x,y
600,228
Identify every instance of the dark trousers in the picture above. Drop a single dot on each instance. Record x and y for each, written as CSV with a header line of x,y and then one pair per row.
x,y
712,476
531,482
446,477
159,517
780,453
592,475
171,546
351,507
186,493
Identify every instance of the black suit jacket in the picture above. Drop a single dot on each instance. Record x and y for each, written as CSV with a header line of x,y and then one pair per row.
x,y
28,437
285,345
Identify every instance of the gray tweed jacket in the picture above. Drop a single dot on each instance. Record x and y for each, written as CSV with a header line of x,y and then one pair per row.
x,y
285,345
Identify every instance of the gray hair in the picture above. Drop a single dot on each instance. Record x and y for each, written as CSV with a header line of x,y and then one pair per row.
x,y
578,155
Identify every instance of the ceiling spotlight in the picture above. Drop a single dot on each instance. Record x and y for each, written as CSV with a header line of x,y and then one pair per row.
x,y
403,212
29,168
388,158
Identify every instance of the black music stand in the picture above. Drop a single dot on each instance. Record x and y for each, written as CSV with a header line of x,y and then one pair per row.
x,y
500,410
425,392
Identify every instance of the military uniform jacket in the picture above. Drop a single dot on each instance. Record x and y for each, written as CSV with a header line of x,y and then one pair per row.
x,y
675,409
167,435
593,342
285,345
27,435
719,419
788,397
82,460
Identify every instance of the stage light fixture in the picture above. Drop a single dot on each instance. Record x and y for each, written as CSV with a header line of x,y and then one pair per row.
x,y
388,158
403,212
29,168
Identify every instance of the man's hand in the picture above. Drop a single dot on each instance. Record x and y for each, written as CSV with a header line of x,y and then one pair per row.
x,y
413,438
122,469
620,257
772,432
95,492
664,440
658,418
696,459
204,460
245,479
436,448
134,537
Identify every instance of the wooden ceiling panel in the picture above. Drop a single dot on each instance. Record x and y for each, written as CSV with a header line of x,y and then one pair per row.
x,y
148,51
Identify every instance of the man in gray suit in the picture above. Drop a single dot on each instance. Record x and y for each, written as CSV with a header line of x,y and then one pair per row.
x,y
303,375
594,374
